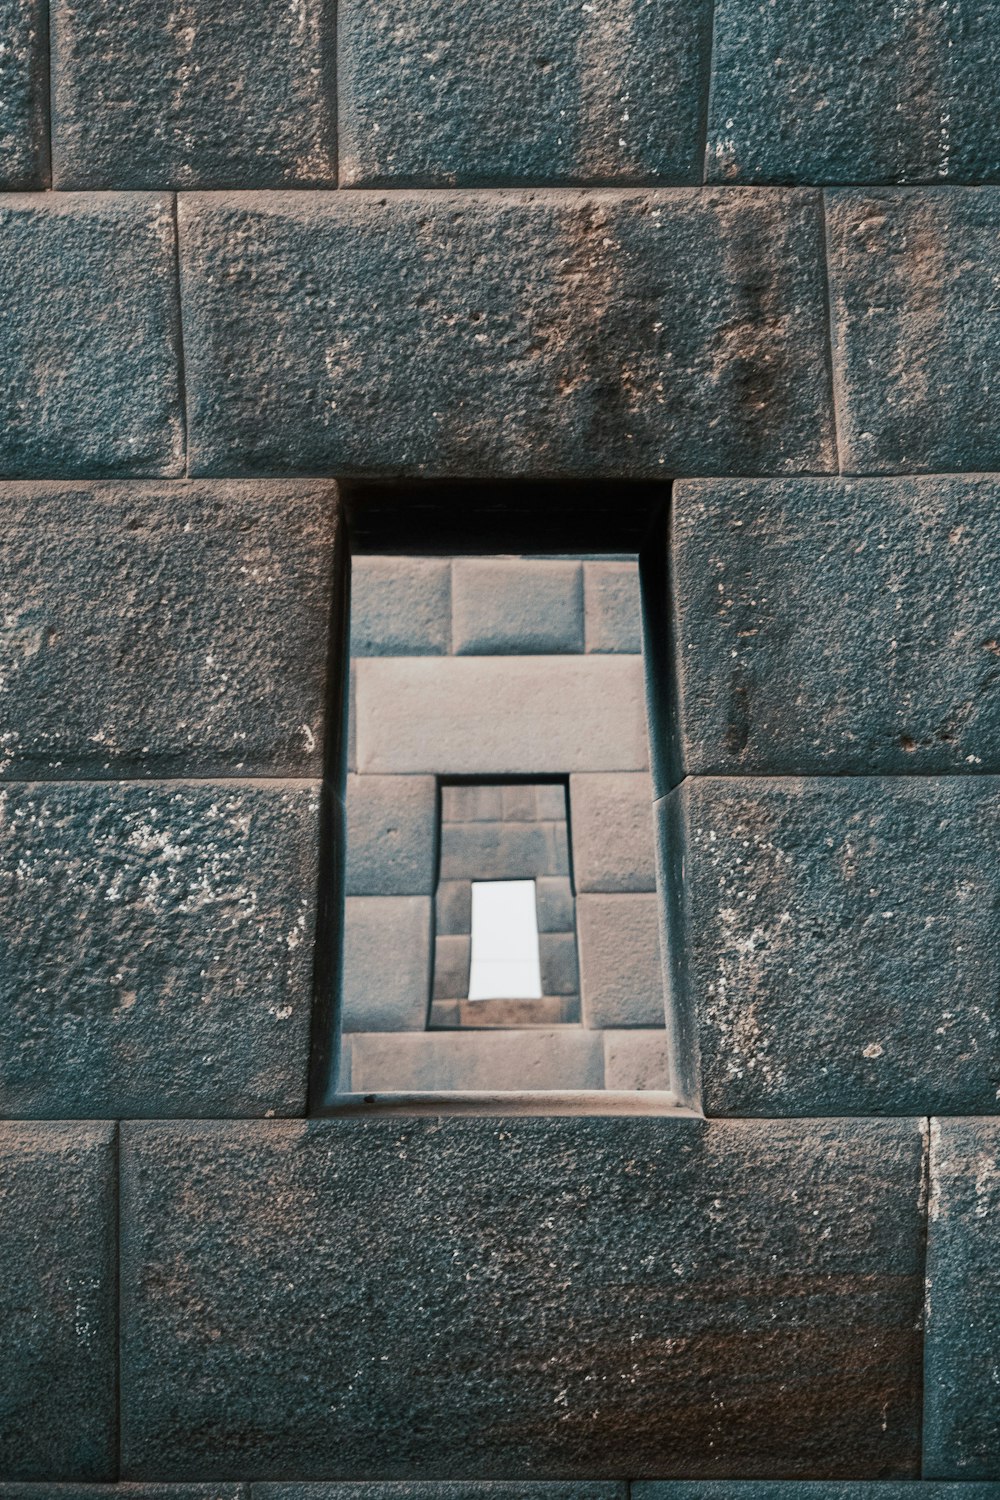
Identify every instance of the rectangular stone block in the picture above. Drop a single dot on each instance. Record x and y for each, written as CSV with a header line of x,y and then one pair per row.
x,y
472,804
612,820
168,628
550,1010
452,955
58,1271
400,606
804,1489
89,353
125,1491
476,1061
836,941
153,96
465,1489
621,977
24,122
453,908
636,1060
156,947
916,328
613,607
516,607
386,984
872,599
503,851
391,835
554,904
621,334
557,956
559,714
432,1328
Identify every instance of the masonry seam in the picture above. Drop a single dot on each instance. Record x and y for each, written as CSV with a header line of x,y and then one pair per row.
x,y
831,339
179,338
46,89
708,65
925,1196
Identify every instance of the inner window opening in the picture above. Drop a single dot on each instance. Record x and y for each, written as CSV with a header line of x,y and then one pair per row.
x,y
505,962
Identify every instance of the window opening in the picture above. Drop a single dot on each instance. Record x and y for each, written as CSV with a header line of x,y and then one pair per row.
x,y
505,962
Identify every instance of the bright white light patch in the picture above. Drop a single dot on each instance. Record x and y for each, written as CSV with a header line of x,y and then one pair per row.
x,y
505,963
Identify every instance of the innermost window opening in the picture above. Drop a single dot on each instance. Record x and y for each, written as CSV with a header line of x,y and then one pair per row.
x,y
505,962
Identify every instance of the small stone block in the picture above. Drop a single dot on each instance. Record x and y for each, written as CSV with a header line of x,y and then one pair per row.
x,y
453,908
391,835
472,804
621,980
550,1010
451,967
550,801
503,851
386,982
23,95
516,608
465,1489
557,955
613,607
636,1060
476,1061
613,846
400,606
554,904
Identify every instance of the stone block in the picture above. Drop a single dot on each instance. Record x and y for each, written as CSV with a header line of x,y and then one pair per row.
x,y
23,95
400,606
804,1489
453,908
386,983
554,904
834,626
452,955
58,1253
465,1489
157,947
584,713
432,1328
476,1061
613,607
613,832
129,1490
155,96
472,804
89,354
550,1010
503,851
636,1060
621,978
911,280
391,835
441,98
170,628
557,957
620,334
837,941
516,607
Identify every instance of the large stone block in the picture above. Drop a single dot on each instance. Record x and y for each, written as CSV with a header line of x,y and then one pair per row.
x,y
636,1060
23,95
503,851
89,353
58,1249
516,607
125,1491
391,835
386,983
156,947
560,714
159,95
623,334
839,940
621,977
754,1289
400,606
613,607
164,629
612,819
473,1061
827,626
465,1489
916,328
804,1489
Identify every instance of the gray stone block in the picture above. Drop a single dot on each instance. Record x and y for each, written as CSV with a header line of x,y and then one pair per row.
x,y
621,978
476,1061
516,607
452,954
554,904
472,804
804,1489
400,606
636,1060
129,1490
503,851
550,1010
151,95
613,832
465,1489
837,939
443,97
837,625
89,354
23,95
453,908
557,957
433,1327
623,334
156,947
613,607
58,1249
584,713
386,984
391,835
911,278
168,628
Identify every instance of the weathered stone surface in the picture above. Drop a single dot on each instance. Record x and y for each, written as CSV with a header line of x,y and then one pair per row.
x,y
621,978
58,1246
613,607
557,957
550,1010
150,95
386,982
961,1399
465,1489
916,328
88,358
452,955
473,1061
503,851
636,1060
804,1489
400,606
156,947
23,95
624,334
503,606
164,629
584,713
613,832
837,625
554,905
754,1289
441,97
126,1491
839,941
391,835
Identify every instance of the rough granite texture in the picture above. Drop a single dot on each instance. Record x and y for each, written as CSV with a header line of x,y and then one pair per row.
x,y
555,1297
804,1489
126,1491
23,95
827,626
90,346
622,334
156,947
58,1291
838,943
464,1489
155,629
